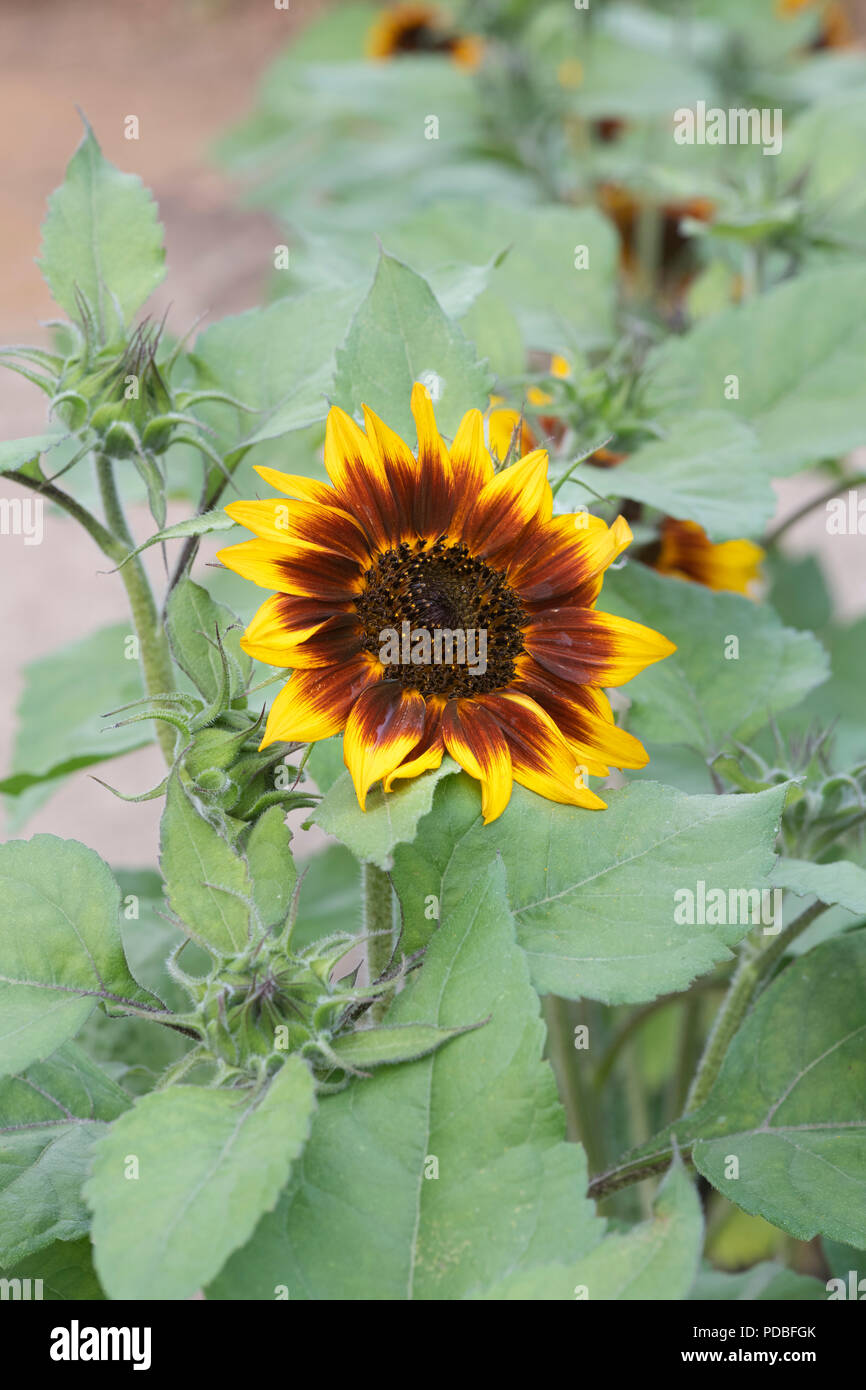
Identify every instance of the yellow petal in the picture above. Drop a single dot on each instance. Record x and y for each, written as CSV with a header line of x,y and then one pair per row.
x,y
384,725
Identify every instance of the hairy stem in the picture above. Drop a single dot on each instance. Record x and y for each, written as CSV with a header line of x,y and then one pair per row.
x,y
377,899
841,485
153,642
104,539
750,972
211,493
630,1172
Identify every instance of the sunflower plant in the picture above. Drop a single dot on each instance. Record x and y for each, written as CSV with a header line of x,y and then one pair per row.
x,y
469,574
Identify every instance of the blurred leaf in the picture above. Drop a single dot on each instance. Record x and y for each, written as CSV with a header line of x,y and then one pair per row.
x,y
330,898
763,1282
823,155
66,1271
799,590
839,882
62,711
801,392
706,469
840,701
559,308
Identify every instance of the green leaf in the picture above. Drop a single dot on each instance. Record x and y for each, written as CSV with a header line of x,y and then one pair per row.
x,y
102,237
202,525
491,325
193,618
62,711
823,155
841,882
801,392
66,1271
839,702
790,1101
706,469
400,335
271,866
594,892
396,1042
209,1162
325,762
389,819
799,590
362,1217
558,307
278,362
60,947
50,1118
330,897
655,1260
14,453
765,1282
207,881
700,696
136,1051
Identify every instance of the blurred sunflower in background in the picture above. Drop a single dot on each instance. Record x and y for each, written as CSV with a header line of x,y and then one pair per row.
x,y
687,552
441,541
836,30
403,29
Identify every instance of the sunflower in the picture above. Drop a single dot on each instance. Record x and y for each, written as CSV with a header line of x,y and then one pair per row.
x,y
400,545
624,209
421,29
835,31
688,552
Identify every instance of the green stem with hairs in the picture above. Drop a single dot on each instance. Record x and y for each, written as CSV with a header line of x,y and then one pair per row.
x,y
155,653
751,974
104,539
377,899
840,485
751,971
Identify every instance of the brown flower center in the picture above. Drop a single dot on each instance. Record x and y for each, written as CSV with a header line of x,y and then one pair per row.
x,y
442,622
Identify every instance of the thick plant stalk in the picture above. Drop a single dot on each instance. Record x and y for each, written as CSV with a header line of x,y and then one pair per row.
x,y
377,898
749,974
153,642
